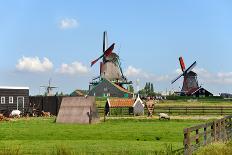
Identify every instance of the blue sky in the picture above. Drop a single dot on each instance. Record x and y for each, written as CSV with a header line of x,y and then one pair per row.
x,y
58,39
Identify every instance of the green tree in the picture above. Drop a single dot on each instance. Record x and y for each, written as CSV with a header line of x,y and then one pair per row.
x,y
152,88
131,88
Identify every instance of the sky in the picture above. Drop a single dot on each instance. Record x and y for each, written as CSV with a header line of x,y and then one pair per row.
x,y
58,39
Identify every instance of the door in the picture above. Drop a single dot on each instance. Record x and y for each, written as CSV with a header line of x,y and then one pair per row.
x,y
20,103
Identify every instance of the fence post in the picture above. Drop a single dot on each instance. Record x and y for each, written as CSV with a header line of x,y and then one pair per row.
x,y
197,136
187,142
213,131
205,136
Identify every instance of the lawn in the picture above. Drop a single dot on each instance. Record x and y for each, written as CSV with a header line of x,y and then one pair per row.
x,y
115,136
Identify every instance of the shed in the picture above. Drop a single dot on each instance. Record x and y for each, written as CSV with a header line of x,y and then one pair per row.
x,y
14,98
80,110
124,106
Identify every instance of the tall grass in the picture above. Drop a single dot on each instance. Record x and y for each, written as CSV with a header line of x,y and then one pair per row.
x,y
64,150
216,149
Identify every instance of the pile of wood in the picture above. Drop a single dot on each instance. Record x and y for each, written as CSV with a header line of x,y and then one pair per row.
x,y
3,118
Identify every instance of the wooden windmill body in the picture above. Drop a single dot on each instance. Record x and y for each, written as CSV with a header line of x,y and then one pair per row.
x,y
190,82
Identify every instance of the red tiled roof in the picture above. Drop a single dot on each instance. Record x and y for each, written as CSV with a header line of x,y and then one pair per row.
x,y
120,102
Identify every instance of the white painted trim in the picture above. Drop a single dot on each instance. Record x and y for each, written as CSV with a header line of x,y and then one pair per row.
x,y
138,99
108,100
12,99
18,102
10,87
3,97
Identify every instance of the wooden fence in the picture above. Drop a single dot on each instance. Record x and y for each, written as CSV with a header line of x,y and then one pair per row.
x,y
201,135
183,110
194,110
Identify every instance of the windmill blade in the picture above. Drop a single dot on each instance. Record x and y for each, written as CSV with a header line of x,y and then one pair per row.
x,y
105,54
182,65
177,78
191,67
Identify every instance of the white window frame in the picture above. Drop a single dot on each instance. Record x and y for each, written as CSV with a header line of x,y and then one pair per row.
x,y
3,99
18,101
11,99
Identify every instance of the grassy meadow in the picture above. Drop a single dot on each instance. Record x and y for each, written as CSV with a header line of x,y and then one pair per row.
x,y
115,136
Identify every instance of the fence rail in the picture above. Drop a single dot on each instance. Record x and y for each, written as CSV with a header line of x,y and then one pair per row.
x,y
194,110
185,110
203,134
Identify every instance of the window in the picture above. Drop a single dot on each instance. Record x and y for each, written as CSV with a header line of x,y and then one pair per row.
x,y
2,100
11,99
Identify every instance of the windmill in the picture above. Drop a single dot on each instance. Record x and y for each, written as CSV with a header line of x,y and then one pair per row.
x,y
49,88
190,82
110,66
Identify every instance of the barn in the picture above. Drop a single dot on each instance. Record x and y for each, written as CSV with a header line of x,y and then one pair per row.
x,y
106,88
14,98
201,92
124,106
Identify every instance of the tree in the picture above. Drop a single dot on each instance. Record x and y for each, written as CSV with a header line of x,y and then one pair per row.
x,y
152,88
131,88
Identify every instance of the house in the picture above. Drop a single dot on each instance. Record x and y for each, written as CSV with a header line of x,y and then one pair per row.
x,y
106,88
200,92
124,106
13,98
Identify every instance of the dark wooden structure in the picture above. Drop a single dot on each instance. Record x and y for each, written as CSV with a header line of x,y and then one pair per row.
x,y
106,88
46,103
12,98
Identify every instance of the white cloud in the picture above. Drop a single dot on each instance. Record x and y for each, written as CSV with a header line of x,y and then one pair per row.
x,y
73,68
68,23
132,71
139,73
34,64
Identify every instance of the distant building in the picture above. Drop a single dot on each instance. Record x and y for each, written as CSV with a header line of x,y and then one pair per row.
x,y
120,106
199,92
14,98
226,95
79,93
106,88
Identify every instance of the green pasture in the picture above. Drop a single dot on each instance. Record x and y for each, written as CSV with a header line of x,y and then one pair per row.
x,y
115,136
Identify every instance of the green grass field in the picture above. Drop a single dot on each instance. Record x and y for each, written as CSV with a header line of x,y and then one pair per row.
x,y
115,136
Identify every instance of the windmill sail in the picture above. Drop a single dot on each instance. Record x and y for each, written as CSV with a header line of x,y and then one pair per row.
x,y
105,54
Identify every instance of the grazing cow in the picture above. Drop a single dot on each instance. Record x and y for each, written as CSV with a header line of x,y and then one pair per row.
x,y
15,113
163,116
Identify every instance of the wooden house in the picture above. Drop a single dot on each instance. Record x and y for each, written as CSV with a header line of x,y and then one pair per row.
x,y
124,106
106,88
13,98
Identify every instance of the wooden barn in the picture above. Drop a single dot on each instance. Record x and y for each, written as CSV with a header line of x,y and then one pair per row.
x,y
124,106
201,92
13,98
106,88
